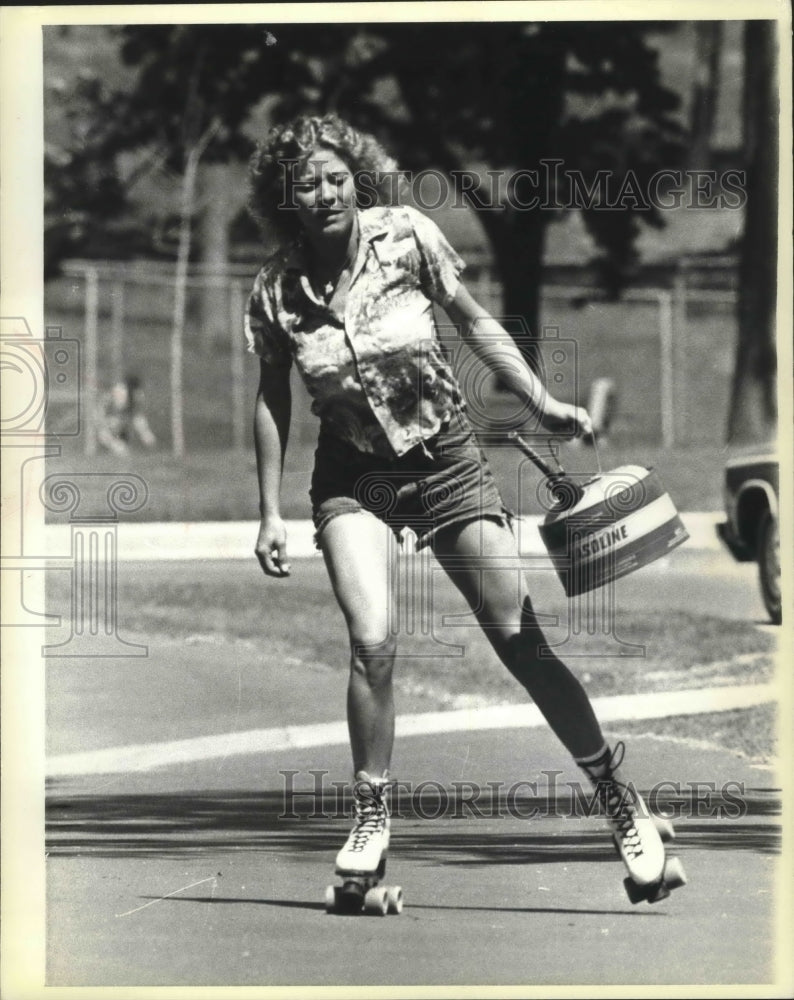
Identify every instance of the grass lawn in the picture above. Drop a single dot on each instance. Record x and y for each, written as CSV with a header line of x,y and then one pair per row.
x,y
220,485
444,660
750,731
619,340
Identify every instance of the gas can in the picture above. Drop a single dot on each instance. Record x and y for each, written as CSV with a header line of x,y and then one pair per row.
x,y
619,522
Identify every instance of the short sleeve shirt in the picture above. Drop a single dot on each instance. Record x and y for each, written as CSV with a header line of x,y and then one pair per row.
x,y
376,370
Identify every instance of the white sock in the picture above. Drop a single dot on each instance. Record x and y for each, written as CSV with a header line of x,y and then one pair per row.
x,y
597,765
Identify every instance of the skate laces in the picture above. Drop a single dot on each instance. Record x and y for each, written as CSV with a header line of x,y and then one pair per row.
x,y
617,799
370,814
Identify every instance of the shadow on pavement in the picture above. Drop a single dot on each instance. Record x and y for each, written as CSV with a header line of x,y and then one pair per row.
x,y
297,904
541,828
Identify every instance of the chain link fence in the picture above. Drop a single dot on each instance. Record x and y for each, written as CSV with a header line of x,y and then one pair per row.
x,y
666,351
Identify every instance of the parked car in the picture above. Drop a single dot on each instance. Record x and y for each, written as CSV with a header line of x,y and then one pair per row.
x,y
751,490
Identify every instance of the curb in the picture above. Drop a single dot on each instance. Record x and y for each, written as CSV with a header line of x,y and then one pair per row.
x,y
610,708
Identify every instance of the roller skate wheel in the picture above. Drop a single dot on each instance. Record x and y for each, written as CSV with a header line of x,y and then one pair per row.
x,y
653,893
664,828
376,902
674,874
350,898
394,898
636,893
330,899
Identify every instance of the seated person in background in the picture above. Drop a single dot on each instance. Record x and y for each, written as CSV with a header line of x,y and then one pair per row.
x,y
121,416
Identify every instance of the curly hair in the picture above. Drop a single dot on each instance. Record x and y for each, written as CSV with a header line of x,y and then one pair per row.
x,y
376,178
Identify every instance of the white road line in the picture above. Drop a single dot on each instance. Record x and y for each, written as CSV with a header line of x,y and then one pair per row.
x,y
146,757
156,541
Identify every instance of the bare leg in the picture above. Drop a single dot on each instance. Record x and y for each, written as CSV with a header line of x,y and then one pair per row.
x,y
357,548
495,589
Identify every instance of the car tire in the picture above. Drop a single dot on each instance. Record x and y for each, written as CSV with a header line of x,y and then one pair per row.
x,y
769,565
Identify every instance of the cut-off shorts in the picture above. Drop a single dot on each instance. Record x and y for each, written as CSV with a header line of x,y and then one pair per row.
x,y
445,480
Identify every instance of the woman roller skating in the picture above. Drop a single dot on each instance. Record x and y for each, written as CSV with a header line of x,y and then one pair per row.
x,y
349,298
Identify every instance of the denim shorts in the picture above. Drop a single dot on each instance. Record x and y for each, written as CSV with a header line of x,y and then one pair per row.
x,y
445,480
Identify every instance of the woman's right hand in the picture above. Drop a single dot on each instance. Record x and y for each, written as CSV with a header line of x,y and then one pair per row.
x,y
565,418
271,547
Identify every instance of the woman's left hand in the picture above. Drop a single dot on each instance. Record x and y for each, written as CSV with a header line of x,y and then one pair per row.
x,y
565,418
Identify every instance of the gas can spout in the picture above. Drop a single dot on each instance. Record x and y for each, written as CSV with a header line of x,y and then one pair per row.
x,y
563,488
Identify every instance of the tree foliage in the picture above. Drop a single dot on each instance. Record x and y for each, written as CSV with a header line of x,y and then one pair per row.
x,y
83,193
503,96
104,135
443,95
512,96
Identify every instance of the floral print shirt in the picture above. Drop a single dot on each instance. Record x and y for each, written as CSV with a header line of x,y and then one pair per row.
x,y
375,369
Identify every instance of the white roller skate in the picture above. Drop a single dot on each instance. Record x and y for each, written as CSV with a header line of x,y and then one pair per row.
x,y
639,837
361,863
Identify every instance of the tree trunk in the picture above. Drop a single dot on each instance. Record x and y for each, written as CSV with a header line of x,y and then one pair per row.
x,y
187,205
519,260
753,408
516,236
180,297
214,241
705,89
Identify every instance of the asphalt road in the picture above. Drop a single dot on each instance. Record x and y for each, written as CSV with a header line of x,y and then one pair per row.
x,y
203,873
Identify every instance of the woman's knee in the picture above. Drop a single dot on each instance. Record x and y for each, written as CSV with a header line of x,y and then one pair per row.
x,y
373,661
528,646
522,650
525,651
